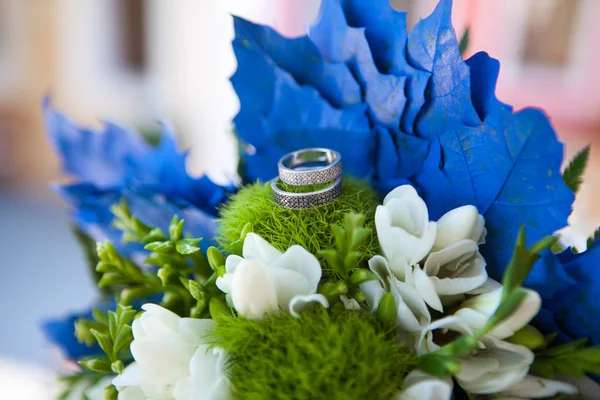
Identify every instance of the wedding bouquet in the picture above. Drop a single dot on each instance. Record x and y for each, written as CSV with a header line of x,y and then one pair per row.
x,y
394,235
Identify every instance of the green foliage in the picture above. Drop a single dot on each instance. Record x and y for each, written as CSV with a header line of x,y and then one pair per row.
x,y
320,356
88,245
464,41
177,258
283,227
569,359
80,381
112,331
573,175
345,256
446,361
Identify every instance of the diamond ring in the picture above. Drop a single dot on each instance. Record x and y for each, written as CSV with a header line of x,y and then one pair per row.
x,y
303,201
310,167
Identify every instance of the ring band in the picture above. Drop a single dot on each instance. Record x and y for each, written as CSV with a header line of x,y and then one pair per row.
x,y
303,201
311,175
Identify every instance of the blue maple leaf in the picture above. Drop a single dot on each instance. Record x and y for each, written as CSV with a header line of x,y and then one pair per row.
x,y
116,163
427,117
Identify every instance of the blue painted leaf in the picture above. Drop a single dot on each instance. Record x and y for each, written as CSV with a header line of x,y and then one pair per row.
x,y
92,214
277,115
98,157
301,58
576,309
340,43
387,37
508,165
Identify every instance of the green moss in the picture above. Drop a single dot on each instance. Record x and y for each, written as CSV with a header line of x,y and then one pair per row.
x,y
320,356
283,227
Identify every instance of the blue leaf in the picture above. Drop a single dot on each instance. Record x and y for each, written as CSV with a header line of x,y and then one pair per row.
x,y
575,309
387,38
98,157
508,165
340,43
92,214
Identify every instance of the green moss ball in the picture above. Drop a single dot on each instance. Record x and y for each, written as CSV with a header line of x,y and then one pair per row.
x,y
284,227
319,356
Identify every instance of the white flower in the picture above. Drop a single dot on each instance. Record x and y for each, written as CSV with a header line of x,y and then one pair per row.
x,y
411,311
405,233
455,265
534,387
477,310
265,280
173,361
495,368
420,386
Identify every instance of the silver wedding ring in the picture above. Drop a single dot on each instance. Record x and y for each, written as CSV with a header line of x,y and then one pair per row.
x,y
308,167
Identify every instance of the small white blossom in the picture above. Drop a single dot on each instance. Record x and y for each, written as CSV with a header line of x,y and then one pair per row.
x,y
420,386
173,361
405,233
477,310
265,280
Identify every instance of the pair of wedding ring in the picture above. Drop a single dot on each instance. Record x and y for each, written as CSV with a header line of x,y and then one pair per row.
x,y
305,168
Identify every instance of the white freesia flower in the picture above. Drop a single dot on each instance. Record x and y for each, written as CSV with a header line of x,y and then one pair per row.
x,y
534,387
411,311
405,233
495,368
265,280
420,386
455,266
477,310
173,361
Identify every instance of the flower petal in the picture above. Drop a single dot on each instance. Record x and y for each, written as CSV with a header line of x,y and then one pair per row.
x,y
349,303
257,248
253,291
373,292
426,289
194,330
299,260
420,386
461,223
299,303
536,387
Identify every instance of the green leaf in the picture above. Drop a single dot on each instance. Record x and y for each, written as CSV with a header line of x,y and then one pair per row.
x,y
197,291
103,340
123,338
464,41
160,247
507,307
215,258
593,238
155,235
218,308
187,246
573,175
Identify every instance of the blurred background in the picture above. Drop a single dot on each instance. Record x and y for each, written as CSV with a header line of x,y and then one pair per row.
x,y
137,61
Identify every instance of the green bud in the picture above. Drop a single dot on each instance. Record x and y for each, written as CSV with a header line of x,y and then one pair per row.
x,y
97,365
155,235
135,292
218,308
112,279
111,393
529,337
160,247
215,258
117,367
164,274
361,276
332,291
386,311
176,228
